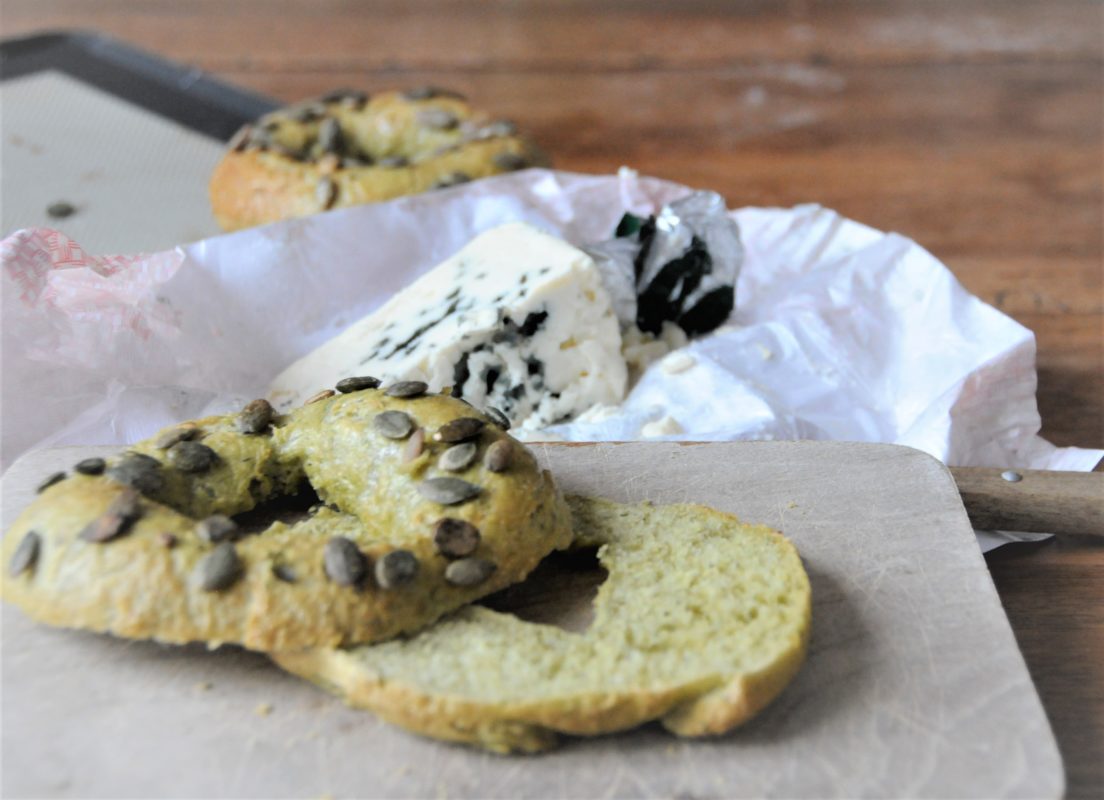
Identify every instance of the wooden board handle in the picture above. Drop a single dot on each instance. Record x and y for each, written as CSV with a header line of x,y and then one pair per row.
x,y
1040,502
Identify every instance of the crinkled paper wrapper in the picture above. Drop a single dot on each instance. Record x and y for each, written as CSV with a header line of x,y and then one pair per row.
x,y
840,331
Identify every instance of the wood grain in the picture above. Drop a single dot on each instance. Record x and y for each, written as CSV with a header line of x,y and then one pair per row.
x,y
1034,500
977,128
574,35
1053,594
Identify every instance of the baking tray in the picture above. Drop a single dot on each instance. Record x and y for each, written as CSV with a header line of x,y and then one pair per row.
x,y
123,140
178,92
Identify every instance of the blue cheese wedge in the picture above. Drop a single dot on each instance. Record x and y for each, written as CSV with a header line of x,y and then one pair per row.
x,y
518,320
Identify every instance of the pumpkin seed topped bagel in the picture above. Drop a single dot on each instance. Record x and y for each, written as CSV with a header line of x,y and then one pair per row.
x,y
347,148
146,545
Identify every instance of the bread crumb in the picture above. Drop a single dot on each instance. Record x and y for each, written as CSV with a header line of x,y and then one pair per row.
x,y
765,352
263,709
204,686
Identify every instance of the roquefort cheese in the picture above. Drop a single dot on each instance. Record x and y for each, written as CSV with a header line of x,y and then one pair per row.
x,y
517,319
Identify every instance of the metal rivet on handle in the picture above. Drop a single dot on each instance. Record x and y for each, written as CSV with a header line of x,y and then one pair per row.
x,y
1012,476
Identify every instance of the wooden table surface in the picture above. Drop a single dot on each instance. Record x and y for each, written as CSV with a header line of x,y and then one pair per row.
x,y
975,128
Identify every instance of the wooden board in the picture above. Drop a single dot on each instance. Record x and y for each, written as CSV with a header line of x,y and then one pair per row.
x,y
914,685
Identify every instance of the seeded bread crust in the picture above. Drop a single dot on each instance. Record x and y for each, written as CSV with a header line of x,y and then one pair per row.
x,y
701,623
148,581
279,168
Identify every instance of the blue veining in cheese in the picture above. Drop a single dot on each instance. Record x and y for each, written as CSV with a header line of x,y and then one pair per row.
x,y
518,320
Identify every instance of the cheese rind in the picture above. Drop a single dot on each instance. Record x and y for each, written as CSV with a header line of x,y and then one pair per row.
x,y
517,319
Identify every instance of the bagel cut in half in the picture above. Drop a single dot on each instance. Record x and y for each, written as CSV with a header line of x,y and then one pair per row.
x,y
700,624
347,148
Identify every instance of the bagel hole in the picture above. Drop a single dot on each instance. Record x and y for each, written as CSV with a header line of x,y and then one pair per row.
x,y
286,508
559,592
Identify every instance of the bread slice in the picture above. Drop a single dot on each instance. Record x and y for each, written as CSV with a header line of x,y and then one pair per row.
x,y
700,624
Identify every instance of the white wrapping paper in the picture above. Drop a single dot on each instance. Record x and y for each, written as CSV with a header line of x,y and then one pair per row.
x,y
840,331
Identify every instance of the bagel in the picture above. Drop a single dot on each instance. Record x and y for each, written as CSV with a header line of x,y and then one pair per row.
x,y
345,149
423,505
701,622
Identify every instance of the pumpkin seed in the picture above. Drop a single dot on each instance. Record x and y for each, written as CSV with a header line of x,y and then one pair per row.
x,y
116,520
50,481
326,193
357,384
497,417
458,458
26,554
216,528
393,424
322,395
397,568
284,573
509,161
451,179
445,148
219,569
240,139
447,491
285,151
90,466
495,130
103,528
177,433
192,456
499,456
415,446
126,505
330,138
455,538
260,138
406,389
469,571
60,210
430,92
138,470
305,112
256,416
440,119
459,430
344,562
344,96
